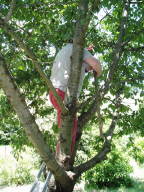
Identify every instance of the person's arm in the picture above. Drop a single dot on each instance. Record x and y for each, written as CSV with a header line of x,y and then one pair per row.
x,y
95,64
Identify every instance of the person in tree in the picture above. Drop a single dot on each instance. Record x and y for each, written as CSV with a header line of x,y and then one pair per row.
x,y
60,75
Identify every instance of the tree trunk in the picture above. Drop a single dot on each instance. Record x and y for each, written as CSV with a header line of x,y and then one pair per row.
x,y
58,188
31,128
55,186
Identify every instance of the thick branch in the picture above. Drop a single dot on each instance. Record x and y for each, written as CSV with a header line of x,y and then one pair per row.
x,y
101,155
78,44
84,17
83,20
30,54
79,39
32,130
108,137
86,116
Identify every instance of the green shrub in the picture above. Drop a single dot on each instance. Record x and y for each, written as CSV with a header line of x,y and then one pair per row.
x,y
112,172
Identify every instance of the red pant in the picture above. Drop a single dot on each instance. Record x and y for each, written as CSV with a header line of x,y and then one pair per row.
x,y
57,107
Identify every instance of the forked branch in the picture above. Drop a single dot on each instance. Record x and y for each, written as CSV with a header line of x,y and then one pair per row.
x,y
107,140
101,154
86,116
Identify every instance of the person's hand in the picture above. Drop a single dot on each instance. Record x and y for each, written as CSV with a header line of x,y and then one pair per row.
x,y
90,47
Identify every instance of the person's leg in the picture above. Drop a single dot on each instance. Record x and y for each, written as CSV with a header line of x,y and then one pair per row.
x,y
57,107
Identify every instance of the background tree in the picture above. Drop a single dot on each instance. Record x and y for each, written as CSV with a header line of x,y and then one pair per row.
x,y
31,33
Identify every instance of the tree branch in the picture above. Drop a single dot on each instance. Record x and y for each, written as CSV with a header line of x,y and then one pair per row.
x,y
83,20
108,138
12,6
78,44
102,153
86,116
94,107
32,130
117,50
84,17
36,62
82,25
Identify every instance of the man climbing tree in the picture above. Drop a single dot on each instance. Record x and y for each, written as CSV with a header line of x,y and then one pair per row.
x,y
60,77
29,31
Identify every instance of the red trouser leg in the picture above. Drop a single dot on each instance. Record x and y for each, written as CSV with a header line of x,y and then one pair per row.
x,y
57,107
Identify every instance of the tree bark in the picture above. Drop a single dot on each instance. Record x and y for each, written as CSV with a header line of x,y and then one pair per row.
x,y
32,130
77,55
101,92
68,119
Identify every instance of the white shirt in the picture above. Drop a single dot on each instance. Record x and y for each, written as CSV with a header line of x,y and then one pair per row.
x,y
61,68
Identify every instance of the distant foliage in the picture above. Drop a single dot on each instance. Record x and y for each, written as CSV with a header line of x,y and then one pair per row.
x,y
137,150
113,172
20,171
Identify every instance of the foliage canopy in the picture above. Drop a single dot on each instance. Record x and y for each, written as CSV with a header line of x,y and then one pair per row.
x,y
116,31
